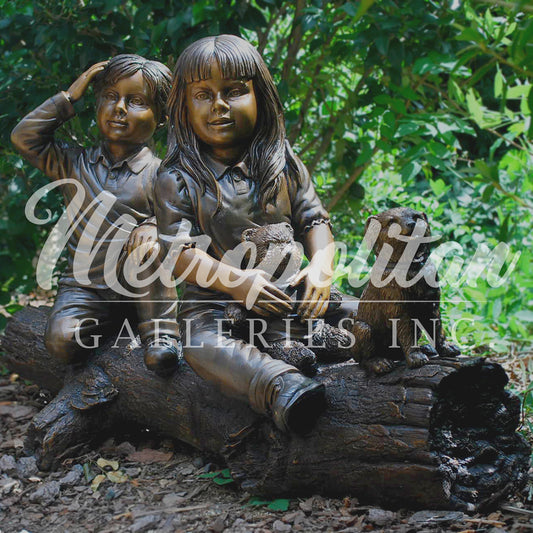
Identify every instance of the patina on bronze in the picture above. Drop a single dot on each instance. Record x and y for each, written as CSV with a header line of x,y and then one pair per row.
x,y
131,93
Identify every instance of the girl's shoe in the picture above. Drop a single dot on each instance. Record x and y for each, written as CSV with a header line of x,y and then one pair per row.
x,y
297,402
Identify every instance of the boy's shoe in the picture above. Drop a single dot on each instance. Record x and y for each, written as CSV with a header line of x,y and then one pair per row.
x,y
297,402
162,355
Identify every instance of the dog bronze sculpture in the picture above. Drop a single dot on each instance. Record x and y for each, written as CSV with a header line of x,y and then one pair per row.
x,y
399,300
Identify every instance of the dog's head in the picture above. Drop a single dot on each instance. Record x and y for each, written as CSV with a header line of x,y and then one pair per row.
x,y
396,227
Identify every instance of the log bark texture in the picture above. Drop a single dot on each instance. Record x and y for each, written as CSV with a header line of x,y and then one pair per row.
x,y
441,436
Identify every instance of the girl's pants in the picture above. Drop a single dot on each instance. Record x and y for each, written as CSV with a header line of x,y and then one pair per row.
x,y
239,369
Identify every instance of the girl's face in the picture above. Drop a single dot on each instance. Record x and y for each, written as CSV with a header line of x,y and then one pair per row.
x,y
222,114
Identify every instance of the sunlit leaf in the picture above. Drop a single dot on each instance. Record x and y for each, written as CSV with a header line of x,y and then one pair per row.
x,y
279,505
498,83
273,505
474,107
97,481
117,477
364,6
104,464
220,477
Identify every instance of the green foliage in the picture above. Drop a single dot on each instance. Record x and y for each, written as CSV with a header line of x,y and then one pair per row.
x,y
422,103
220,477
273,505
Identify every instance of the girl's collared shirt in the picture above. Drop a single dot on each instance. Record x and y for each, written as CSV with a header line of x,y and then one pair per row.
x,y
183,211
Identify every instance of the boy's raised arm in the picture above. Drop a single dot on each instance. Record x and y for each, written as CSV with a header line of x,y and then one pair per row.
x,y
33,136
80,86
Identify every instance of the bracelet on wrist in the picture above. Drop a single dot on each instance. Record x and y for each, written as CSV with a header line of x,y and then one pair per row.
x,y
68,96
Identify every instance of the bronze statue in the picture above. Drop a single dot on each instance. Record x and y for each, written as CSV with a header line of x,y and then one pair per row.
x,y
131,94
389,317
230,168
230,173
272,248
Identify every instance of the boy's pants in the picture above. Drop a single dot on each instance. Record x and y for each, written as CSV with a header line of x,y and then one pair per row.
x,y
82,318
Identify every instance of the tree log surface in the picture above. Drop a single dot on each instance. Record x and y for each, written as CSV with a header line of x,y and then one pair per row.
x,y
441,436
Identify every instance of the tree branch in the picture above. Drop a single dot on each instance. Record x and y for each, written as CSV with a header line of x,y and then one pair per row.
x,y
263,37
308,146
294,40
349,182
293,135
326,139
295,131
324,144
276,58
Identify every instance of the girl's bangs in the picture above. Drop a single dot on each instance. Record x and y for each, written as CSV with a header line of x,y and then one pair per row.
x,y
234,62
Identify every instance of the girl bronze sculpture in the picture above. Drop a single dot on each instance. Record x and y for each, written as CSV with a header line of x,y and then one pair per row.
x,y
230,168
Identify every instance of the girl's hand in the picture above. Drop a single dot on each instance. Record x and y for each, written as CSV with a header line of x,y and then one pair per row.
x,y
79,87
317,288
143,242
255,292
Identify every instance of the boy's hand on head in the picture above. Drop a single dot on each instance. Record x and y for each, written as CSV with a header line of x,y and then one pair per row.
x,y
143,242
317,289
79,87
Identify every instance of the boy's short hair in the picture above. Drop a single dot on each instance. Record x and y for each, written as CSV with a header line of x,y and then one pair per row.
x,y
157,76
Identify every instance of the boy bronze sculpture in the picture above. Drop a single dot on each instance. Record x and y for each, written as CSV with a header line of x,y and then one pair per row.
x,y
131,94
391,312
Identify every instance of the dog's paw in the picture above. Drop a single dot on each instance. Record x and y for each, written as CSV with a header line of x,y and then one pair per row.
x,y
379,365
416,359
449,349
429,350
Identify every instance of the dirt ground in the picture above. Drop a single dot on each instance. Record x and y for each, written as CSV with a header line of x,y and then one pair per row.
x,y
142,483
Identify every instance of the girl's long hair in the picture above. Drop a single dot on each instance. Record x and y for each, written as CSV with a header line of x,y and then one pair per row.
x,y
269,154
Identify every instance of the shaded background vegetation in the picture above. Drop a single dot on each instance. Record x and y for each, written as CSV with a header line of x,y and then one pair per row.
x,y
421,103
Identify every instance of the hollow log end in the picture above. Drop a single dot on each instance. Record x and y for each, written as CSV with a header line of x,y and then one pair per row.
x,y
473,434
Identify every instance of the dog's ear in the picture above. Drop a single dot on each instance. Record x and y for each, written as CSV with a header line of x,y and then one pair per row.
x,y
368,221
428,228
371,231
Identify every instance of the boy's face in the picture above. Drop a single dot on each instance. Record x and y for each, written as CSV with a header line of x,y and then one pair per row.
x,y
126,112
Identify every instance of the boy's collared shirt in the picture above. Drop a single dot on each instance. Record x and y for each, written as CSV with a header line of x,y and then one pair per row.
x,y
111,199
